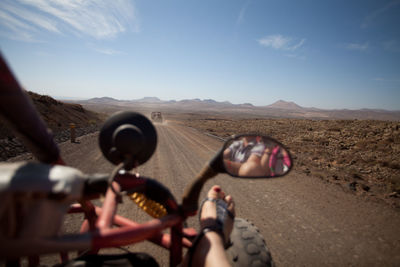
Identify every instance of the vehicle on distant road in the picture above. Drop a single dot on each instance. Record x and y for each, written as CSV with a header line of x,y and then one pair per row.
x,y
156,116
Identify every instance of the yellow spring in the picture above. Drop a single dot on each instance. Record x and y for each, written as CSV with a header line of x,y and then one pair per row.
x,y
154,209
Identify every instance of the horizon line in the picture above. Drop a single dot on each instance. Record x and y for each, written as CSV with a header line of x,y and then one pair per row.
x,y
246,103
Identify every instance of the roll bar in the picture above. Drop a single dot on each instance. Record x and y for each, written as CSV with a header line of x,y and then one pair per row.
x,y
18,111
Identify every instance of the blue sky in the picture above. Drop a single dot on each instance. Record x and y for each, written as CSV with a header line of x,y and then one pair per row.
x,y
325,54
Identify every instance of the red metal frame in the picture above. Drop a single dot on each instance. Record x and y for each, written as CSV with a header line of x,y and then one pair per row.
x,y
130,232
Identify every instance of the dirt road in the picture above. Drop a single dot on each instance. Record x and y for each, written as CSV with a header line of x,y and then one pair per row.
x,y
305,222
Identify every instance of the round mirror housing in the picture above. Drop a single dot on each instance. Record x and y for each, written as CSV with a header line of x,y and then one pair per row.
x,y
128,135
255,156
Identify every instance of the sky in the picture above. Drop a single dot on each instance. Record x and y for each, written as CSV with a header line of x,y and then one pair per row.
x,y
325,54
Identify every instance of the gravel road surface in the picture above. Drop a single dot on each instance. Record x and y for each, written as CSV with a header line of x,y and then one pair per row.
x,y
305,221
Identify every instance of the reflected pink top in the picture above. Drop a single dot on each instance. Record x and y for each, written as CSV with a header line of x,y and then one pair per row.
x,y
274,157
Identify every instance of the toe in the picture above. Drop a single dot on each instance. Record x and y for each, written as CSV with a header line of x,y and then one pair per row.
x,y
215,192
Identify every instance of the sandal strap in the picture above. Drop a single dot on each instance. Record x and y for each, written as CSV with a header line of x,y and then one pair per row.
x,y
221,203
222,212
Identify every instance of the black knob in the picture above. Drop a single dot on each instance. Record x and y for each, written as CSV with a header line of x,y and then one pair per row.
x,y
128,139
128,135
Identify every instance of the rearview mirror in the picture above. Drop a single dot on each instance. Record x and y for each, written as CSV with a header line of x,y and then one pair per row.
x,y
255,156
244,156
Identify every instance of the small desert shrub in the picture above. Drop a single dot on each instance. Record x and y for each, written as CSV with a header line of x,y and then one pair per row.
x,y
390,164
386,142
395,165
395,183
334,129
363,144
324,142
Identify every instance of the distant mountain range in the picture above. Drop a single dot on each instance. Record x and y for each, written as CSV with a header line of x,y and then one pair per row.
x,y
279,109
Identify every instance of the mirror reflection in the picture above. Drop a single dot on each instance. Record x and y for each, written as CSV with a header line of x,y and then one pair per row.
x,y
256,156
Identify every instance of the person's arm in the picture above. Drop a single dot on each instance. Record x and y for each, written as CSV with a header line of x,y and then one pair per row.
x,y
265,161
252,167
232,167
227,153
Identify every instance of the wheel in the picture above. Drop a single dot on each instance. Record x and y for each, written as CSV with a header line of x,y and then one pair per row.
x,y
248,247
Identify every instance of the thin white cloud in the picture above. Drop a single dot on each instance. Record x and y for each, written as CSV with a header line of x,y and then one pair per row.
x,y
13,23
280,42
23,14
97,19
299,44
378,12
274,41
16,29
242,13
357,47
103,50
108,51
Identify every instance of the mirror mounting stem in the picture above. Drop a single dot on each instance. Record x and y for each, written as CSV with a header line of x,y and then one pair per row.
x,y
192,193
217,163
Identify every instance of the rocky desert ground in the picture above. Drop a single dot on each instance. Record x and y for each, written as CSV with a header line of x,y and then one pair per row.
x,y
360,156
